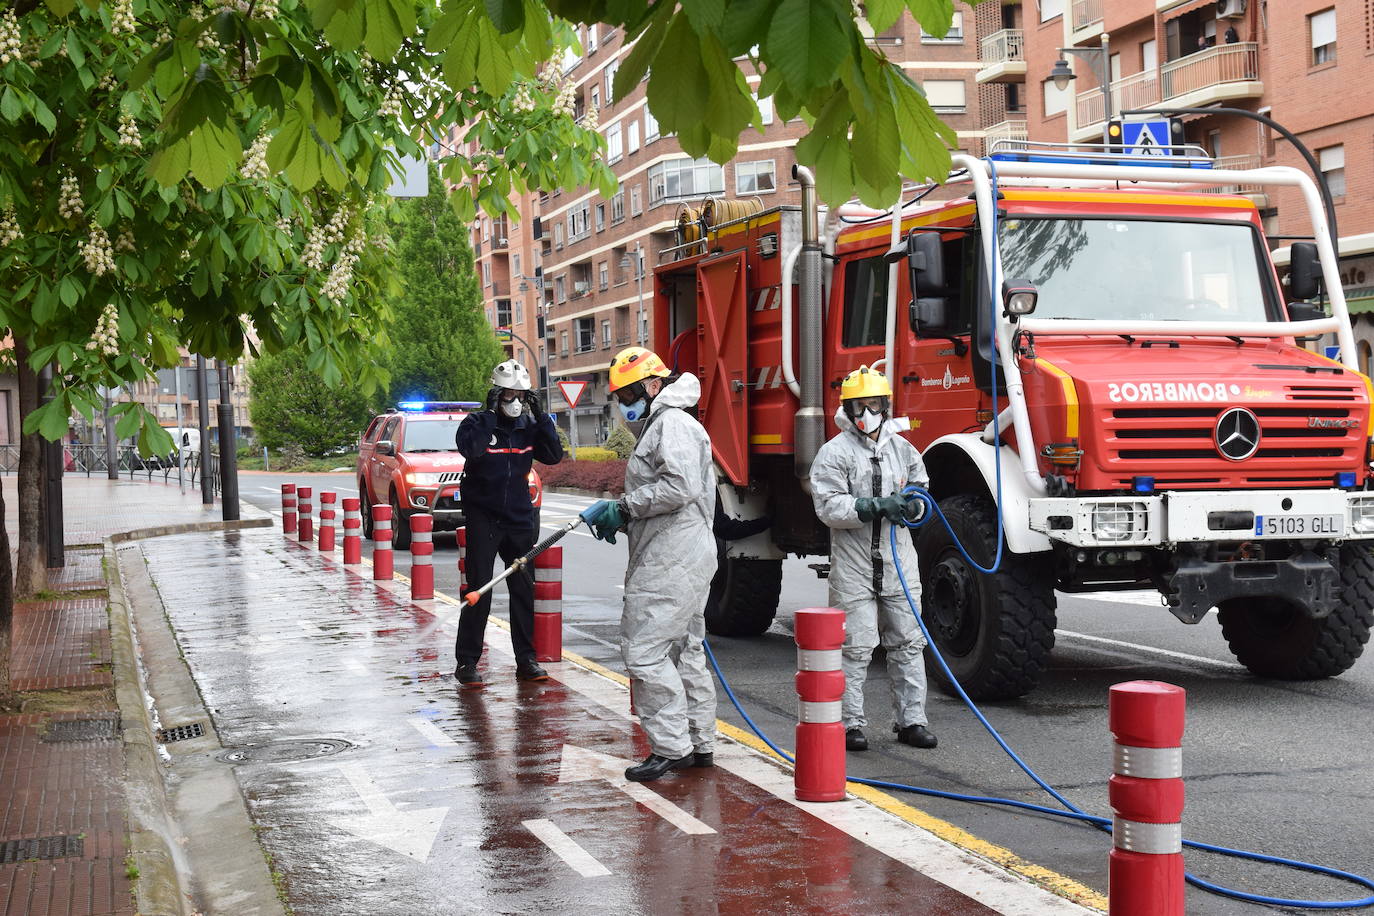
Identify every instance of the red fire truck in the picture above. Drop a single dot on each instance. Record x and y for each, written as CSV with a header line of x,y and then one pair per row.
x,y
1155,423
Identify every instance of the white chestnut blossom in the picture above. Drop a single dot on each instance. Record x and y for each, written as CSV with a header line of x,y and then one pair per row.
x,y
322,236
106,337
255,160
97,251
567,98
69,203
125,242
393,106
128,131
9,227
122,21
523,101
11,47
336,285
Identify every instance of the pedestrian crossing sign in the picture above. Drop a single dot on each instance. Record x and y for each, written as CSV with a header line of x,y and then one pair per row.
x,y
1146,138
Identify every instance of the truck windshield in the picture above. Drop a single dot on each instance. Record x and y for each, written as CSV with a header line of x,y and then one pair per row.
x,y
430,436
1118,270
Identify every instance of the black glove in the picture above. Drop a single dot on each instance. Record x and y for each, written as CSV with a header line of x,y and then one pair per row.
x,y
493,399
535,404
870,507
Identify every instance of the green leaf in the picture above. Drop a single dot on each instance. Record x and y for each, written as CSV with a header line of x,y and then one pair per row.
x,y
508,15
214,152
748,20
494,67
61,7
10,106
128,423
385,28
807,40
42,115
679,95
636,63
883,14
934,16
345,30
69,291
49,421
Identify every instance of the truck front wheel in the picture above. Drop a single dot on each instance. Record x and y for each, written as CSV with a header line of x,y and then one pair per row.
x,y
1273,637
743,597
400,524
994,631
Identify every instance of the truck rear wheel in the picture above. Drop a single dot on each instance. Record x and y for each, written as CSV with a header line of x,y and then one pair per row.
x,y
994,631
1273,637
743,597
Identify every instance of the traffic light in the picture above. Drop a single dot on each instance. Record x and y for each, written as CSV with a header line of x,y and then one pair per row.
x,y
1112,135
1176,136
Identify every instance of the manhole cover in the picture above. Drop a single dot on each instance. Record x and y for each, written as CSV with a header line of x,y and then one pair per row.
x,y
279,751
104,729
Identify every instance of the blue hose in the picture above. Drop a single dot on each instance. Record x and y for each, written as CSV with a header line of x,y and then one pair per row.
x,y
1072,812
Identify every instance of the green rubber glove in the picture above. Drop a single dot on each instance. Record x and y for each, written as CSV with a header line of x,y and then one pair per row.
x,y
889,507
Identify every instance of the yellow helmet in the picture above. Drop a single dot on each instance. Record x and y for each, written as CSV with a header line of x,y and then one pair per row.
x,y
634,364
864,382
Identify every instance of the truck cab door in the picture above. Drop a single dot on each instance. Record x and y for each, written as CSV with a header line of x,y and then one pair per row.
x,y
723,354
937,386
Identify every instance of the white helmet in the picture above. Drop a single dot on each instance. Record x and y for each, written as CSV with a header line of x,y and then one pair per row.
x,y
512,375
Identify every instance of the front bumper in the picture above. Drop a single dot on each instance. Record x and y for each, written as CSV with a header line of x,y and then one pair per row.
x,y
1204,516
443,502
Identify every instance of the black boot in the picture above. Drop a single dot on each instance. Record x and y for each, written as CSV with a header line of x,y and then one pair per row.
x,y
467,676
655,766
916,736
855,739
529,670
703,759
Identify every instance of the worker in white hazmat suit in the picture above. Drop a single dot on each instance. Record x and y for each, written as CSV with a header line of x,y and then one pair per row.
x,y
668,508
856,483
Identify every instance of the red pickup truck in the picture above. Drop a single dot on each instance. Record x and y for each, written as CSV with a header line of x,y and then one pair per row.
x,y
408,458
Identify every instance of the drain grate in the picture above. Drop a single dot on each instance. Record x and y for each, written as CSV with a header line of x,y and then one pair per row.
x,y
179,733
47,847
106,729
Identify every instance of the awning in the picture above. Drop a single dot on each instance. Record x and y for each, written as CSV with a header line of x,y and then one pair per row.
x,y
1360,301
1190,6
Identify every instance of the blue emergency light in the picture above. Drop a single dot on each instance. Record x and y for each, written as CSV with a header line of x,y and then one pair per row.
x,y
1101,158
1143,484
1345,480
437,405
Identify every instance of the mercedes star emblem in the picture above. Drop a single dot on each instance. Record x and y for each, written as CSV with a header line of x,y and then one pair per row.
x,y
1237,434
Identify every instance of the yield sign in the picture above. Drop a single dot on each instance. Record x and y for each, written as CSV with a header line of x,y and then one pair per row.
x,y
572,391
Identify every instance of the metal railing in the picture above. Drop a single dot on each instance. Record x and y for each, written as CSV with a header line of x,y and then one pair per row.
x,y
1237,163
92,460
1011,130
1086,12
1008,44
1233,63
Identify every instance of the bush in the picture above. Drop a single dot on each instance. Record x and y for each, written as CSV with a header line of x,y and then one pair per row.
x,y
621,441
596,477
563,440
595,453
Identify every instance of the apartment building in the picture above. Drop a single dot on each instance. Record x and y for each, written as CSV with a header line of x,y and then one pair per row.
x,y
1301,63
573,275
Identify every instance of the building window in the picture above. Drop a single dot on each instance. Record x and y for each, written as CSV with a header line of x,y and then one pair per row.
x,y
755,177
636,201
650,126
614,150
560,290
486,273
632,137
583,327
955,35
562,343
1149,55
557,235
1322,27
503,313
596,97
765,109
600,217
1332,160
519,312
578,225
1051,9
618,207
610,70
946,96
591,38
603,271
605,333
1056,99
515,264
681,178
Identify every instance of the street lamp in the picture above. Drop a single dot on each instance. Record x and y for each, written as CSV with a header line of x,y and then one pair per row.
x,y
1061,75
639,287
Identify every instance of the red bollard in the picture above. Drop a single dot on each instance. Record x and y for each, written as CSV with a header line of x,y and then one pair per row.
x,y
820,768
328,499
548,605
1145,866
382,566
305,524
352,531
288,508
421,556
462,536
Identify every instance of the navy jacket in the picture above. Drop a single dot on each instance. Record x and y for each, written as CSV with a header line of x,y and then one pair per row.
x,y
498,453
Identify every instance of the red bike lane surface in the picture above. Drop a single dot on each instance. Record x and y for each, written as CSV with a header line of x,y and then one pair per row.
x,y
508,799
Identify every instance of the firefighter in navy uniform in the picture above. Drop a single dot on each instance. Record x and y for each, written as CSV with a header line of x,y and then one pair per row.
x,y
856,483
499,444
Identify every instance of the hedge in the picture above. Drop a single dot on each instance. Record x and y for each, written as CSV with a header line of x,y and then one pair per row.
x,y
596,477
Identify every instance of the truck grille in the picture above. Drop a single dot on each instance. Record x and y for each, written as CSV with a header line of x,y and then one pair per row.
x,y
1176,445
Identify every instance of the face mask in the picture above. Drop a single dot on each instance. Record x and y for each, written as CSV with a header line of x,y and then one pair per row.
x,y
512,408
869,421
635,411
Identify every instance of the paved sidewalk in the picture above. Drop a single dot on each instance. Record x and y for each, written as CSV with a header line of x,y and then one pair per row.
x,y
64,830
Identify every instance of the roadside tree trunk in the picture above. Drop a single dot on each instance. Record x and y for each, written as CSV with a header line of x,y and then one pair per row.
x,y
30,574
7,698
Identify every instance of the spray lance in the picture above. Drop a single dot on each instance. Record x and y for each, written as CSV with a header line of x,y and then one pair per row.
x,y
521,562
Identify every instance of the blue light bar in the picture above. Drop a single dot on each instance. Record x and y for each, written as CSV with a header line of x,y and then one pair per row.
x,y
411,405
1345,480
425,406
1143,484
1164,162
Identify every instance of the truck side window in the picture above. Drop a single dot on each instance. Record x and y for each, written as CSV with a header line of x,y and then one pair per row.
x,y
390,430
865,302
963,276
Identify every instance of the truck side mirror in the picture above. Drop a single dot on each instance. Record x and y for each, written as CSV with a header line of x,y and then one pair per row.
x,y
385,447
1305,311
930,317
1304,271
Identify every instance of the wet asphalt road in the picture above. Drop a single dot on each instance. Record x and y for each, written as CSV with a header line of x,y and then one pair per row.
x,y
1275,767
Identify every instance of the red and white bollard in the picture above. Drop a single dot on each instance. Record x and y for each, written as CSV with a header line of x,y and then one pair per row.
x,y
352,531
820,769
1145,866
305,525
548,605
382,564
462,535
328,500
421,556
288,508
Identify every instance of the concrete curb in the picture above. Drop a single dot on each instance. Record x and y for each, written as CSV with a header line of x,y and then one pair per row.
x,y
158,887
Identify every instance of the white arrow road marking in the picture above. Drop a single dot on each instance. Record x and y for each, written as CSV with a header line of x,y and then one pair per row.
x,y
566,848
580,765
434,733
411,833
357,667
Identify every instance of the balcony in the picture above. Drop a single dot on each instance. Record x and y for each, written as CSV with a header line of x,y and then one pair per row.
x,y
1009,132
1003,57
1139,90
1086,13
1255,192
